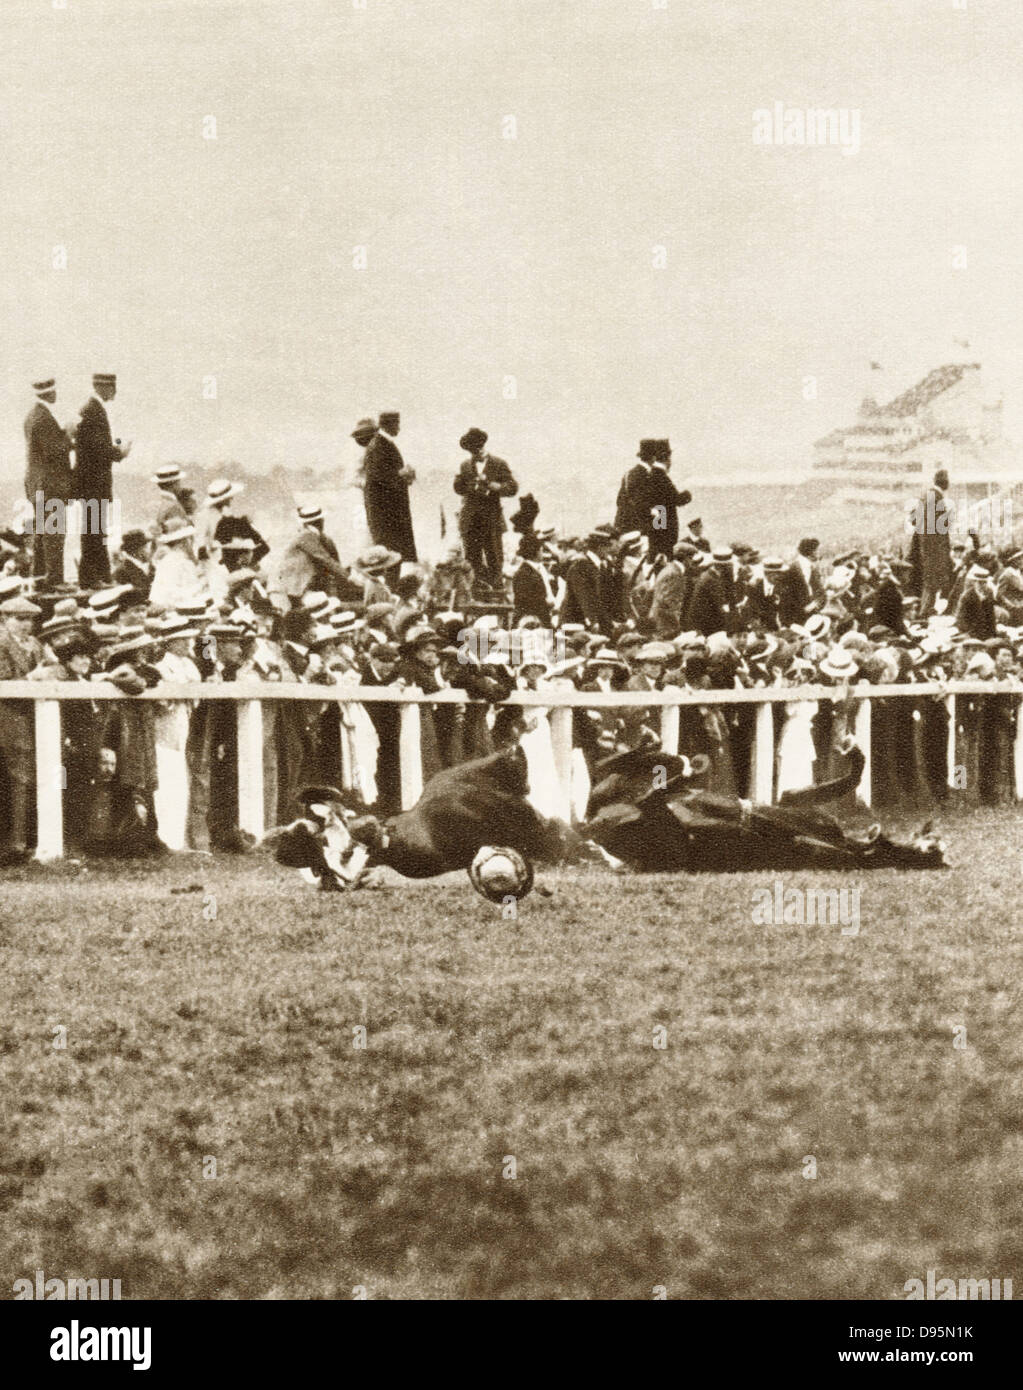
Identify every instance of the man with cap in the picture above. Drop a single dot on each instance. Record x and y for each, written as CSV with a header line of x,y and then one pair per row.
x,y
481,481
712,608
632,511
386,482
20,653
96,451
663,500
311,562
975,615
48,483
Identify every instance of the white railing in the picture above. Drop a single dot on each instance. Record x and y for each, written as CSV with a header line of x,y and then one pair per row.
x,y
47,697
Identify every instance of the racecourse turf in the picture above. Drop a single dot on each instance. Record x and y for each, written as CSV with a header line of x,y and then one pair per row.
x,y
211,1009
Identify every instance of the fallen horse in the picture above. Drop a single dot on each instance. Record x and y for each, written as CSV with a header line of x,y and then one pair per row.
x,y
643,812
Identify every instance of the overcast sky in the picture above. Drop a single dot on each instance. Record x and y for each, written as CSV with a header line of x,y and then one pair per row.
x,y
490,257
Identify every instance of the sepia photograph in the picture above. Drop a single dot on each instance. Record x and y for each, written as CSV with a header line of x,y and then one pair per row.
x,y
511,664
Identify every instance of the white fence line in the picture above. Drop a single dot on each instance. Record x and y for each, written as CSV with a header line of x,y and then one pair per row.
x,y
250,696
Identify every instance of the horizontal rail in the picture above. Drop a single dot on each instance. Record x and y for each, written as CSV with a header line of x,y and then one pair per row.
x,y
547,699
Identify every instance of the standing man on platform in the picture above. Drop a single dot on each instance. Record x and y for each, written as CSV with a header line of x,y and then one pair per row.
x,y
47,483
663,500
482,480
96,452
386,482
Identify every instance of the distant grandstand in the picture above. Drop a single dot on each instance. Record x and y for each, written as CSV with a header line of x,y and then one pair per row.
x,y
950,419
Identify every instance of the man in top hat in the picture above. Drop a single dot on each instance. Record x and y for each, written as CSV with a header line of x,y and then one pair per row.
x,y
386,482
663,500
482,480
96,451
632,510
48,482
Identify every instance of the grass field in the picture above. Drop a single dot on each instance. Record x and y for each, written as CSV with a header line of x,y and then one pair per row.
x,y
191,1038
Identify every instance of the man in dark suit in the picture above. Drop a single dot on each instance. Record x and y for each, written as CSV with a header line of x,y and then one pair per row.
x,y
632,511
589,584
800,591
48,483
713,604
482,480
532,592
386,482
663,500
96,452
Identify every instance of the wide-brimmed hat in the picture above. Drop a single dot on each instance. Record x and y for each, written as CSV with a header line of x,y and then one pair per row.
x,y
606,656
222,490
365,426
19,607
377,558
420,635
655,651
816,627
839,664
176,531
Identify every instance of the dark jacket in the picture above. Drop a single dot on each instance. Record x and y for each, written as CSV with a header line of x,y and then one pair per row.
x,y
481,507
95,452
529,594
712,608
661,526
587,599
386,495
632,511
48,462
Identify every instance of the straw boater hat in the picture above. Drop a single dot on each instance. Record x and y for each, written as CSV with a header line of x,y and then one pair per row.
x,y
307,515
221,490
839,664
606,656
419,636
168,474
44,385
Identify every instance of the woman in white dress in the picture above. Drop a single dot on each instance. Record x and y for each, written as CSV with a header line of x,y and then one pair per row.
x,y
171,796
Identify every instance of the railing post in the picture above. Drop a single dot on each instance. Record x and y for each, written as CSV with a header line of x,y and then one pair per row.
x,y
862,727
50,777
669,729
410,756
250,767
1017,751
950,746
561,742
762,779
